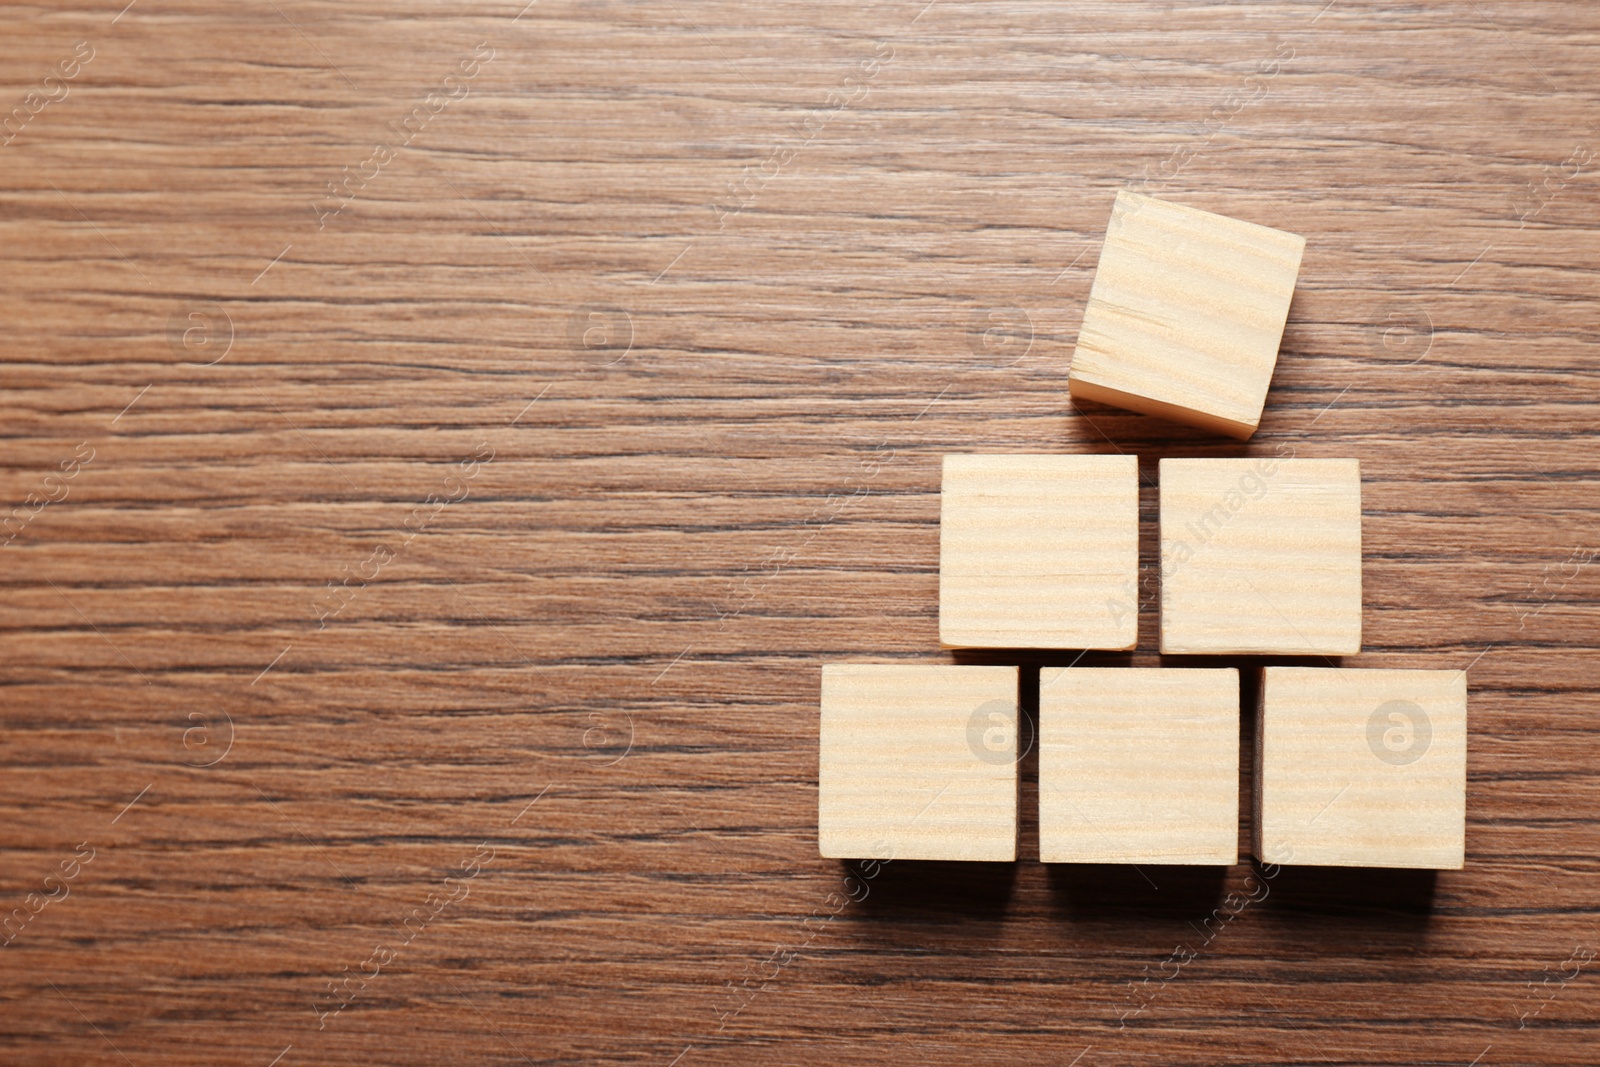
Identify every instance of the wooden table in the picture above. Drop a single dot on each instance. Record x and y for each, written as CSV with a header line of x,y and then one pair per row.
x,y
443,443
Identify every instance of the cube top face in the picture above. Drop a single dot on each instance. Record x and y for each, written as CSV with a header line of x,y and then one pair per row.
x,y
1362,768
1186,314
1139,765
918,762
1039,551
1261,556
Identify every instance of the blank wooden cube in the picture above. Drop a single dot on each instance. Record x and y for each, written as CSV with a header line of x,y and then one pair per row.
x,y
1361,768
918,762
1138,765
1261,556
1185,315
1039,552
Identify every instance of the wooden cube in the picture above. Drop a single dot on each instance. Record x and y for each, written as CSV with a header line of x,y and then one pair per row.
x,y
1139,765
1039,552
1261,556
1361,768
918,762
1185,315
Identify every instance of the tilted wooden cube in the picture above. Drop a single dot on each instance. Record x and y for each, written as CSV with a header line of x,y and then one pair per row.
x,y
1185,315
1361,768
1039,551
1261,556
918,762
1139,765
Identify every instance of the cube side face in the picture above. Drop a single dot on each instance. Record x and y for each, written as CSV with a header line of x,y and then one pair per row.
x,y
918,762
1039,551
1260,556
1363,768
1186,314
1257,849
1083,389
1139,765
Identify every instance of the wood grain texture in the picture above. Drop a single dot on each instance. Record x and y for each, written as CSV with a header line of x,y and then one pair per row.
x,y
1186,314
918,762
1361,768
1139,765
765,265
1261,555
1039,551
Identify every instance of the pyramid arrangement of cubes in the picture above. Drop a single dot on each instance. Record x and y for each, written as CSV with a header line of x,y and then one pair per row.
x,y
1259,556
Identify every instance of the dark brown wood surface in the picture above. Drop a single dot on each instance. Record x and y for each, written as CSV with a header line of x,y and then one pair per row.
x,y
442,443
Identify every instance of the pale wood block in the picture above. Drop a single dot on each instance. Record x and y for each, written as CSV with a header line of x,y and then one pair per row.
x,y
1039,551
1361,768
1261,556
1185,315
1139,765
918,762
